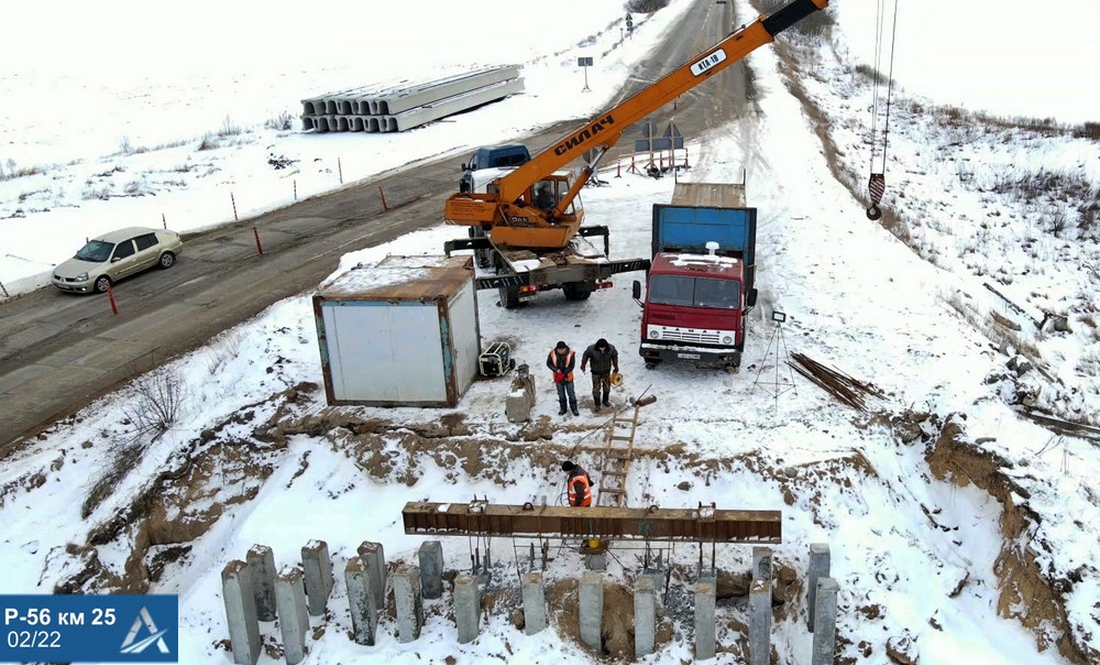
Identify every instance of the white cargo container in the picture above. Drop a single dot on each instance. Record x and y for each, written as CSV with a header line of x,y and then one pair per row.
x,y
402,332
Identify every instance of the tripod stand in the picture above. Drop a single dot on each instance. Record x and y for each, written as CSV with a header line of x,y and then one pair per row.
x,y
781,384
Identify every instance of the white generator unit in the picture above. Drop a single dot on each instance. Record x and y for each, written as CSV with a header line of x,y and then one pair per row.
x,y
402,332
496,360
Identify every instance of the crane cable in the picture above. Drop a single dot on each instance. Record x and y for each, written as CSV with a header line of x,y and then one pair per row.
x,y
876,184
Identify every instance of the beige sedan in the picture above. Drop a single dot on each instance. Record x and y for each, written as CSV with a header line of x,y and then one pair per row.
x,y
112,256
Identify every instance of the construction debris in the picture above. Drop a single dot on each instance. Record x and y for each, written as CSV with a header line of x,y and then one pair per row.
x,y
848,390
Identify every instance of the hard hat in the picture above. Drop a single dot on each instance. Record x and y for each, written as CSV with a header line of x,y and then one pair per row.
x,y
593,543
616,379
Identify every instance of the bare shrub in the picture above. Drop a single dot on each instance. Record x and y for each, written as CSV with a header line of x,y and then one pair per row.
x,y
282,122
156,399
11,172
209,142
125,146
227,348
1089,130
124,458
135,188
1059,222
1086,215
93,190
229,128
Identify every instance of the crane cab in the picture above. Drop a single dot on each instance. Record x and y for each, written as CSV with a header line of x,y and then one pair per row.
x,y
529,221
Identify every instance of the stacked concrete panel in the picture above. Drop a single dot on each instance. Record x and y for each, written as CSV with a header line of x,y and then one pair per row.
x,y
400,108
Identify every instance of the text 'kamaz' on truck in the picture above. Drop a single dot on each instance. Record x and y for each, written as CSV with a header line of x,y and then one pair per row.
x,y
526,221
701,283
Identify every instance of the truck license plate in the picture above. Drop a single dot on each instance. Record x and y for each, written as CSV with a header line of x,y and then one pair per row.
x,y
688,356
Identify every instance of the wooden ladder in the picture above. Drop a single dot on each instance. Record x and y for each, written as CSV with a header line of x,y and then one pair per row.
x,y
618,450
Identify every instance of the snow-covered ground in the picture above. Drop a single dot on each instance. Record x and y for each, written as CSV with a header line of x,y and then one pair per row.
x,y
977,552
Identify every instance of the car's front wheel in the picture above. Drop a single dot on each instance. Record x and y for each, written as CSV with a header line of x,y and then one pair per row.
x,y
167,260
102,283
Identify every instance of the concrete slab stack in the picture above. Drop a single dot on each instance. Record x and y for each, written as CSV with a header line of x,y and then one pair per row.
x,y
400,108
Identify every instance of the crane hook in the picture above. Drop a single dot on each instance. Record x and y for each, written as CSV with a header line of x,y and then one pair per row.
x,y
877,187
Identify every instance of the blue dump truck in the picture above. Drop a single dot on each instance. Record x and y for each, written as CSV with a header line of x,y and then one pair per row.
x,y
701,283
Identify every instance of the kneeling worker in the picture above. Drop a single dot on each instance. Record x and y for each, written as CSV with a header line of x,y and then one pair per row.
x,y
579,484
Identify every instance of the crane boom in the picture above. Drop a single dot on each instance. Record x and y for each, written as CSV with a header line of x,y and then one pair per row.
x,y
511,204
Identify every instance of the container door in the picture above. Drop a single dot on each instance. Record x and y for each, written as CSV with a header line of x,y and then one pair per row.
x,y
464,335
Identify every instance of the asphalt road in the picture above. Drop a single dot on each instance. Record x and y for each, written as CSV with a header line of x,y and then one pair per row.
x,y
60,351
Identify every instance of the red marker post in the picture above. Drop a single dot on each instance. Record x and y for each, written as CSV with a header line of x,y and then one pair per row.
x,y
259,247
111,298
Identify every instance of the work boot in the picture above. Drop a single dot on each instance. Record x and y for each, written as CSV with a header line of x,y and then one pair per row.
x,y
575,412
562,411
606,399
596,403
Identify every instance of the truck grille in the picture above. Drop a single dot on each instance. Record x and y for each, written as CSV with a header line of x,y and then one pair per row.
x,y
689,336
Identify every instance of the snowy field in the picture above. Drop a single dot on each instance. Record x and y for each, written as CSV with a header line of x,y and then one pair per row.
x,y
972,551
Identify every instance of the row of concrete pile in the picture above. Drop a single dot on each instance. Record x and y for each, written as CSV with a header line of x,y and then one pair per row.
x,y
396,109
253,592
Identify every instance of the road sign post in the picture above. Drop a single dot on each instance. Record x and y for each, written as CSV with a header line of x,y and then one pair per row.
x,y
586,63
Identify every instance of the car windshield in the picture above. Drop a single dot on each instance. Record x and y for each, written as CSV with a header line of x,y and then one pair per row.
x,y
96,251
695,291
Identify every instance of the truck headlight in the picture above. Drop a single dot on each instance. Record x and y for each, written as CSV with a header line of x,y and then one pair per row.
x,y
727,340
654,334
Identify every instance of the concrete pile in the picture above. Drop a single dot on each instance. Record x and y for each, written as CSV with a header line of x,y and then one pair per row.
x,y
399,108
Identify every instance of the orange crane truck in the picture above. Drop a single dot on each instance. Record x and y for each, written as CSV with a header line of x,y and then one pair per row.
x,y
526,221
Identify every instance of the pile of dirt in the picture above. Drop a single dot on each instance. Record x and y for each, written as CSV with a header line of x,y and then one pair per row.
x,y
175,508
618,617
1027,594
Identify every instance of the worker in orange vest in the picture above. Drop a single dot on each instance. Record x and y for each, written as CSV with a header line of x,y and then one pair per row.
x,y
579,484
561,362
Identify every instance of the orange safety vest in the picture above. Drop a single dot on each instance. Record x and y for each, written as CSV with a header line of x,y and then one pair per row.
x,y
553,360
586,497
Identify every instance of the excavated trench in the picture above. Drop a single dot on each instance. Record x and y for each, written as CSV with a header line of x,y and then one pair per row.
x,y
219,471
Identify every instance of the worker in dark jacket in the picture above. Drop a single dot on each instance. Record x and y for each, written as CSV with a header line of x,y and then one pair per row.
x,y
561,362
544,197
604,359
579,484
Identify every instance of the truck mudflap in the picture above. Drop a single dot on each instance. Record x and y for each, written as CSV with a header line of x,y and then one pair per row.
x,y
700,355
